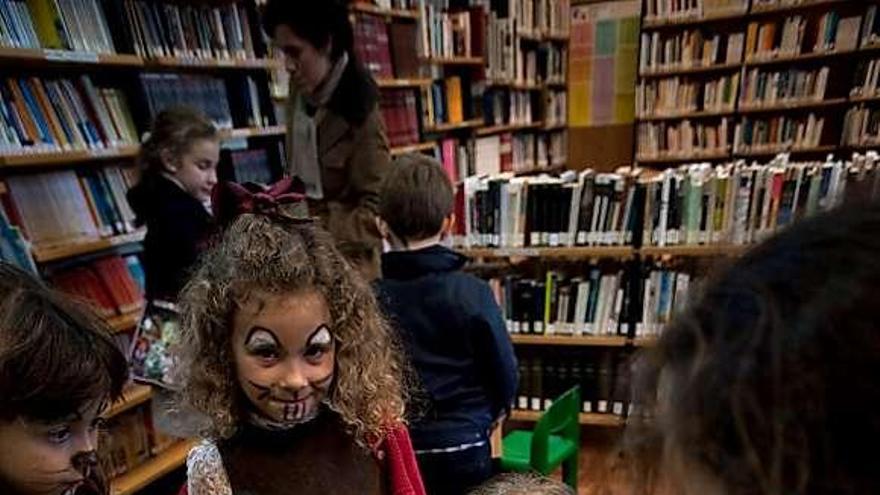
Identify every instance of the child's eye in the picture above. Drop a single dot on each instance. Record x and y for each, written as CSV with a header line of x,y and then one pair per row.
x,y
265,352
315,352
59,434
99,424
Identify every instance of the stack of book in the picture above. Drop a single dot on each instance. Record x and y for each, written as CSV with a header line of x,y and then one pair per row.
x,y
78,25
867,79
400,113
693,9
861,126
778,133
372,45
45,115
555,108
16,28
688,49
502,106
204,93
784,86
446,101
682,139
450,33
675,95
107,283
797,34
165,29
251,166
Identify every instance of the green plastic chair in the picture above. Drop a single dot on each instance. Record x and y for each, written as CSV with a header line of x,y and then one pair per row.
x,y
555,441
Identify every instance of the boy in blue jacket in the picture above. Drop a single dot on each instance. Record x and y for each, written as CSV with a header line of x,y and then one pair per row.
x,y
450,325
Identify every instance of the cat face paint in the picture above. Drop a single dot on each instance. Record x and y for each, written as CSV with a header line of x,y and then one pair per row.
x,y
284,355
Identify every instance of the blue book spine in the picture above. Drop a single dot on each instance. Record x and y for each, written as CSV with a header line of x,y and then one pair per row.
x,y
39,118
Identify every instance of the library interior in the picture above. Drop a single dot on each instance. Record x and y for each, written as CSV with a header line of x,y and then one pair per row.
x,y
439,247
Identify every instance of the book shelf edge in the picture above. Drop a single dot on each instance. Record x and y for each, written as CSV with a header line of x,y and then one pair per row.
x,y
152,469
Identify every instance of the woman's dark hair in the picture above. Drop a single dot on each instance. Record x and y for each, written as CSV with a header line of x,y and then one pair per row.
x,y
768,383
56,356
317,21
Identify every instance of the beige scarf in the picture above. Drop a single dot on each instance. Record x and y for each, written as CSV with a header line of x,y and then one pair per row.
x,y
304,160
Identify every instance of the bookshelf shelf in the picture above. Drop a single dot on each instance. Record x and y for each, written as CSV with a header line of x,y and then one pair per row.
x,y
560,37
645,341
414,148
45,57
554,83
478,61
124,323
794,105
133,396
679,71
708,250
367,8
803,57
553,127
588,252
683,157
153,469
586,419
66,157
403,83
467,124
864,99
516,85
785,149
529,35
862,146
47,253
498,129
698,114
759,10
248,132
691,21
569,340
178,62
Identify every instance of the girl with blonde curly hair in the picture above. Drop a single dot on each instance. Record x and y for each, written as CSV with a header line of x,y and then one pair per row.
x,y
285,351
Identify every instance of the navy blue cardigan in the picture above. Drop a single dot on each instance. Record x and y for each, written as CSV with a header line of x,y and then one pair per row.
x,y
455,335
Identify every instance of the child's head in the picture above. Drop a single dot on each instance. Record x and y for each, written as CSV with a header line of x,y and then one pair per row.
x,y
522,484
184,145
276,323
58,371
767,385
416,202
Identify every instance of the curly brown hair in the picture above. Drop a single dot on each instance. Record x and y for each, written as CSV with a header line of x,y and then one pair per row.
x,y
274,256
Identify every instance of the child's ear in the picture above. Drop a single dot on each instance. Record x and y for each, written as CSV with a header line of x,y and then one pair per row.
x,y
383,227
448,225
169,163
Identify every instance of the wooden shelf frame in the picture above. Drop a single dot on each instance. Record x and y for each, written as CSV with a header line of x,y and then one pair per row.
x,y
684,71
133,396
154,468
54,252
793,59
475,61
750,153
249,132
695,114
514,85
403,83
576,252
502,128
366,8
467,124
413,148
692,21
793,105
757,11
51,158
49,57
586,419
684,157
569,340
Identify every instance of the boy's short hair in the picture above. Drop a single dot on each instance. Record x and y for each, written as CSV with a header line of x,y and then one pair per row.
x,y
55,355
416,197
522,484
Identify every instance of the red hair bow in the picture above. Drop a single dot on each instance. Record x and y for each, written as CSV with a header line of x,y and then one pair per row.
x,y
230,200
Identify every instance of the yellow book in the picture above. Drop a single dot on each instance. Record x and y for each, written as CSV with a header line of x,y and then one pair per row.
x,y
454,105
48,23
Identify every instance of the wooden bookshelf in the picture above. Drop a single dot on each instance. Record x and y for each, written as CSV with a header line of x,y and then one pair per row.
x,y
569,340
124,323
477,61
649,23
682,157
697,114
529,35
516,85
580,252
403,83
498,129
793,105
864,99
368,8
554,83
559,37
133,396
773,151
683,71
467,124
249,132
206,63
799,58
761,10
553,127
413,148
48,57
52,158
707,250
586,419
154,468
54,252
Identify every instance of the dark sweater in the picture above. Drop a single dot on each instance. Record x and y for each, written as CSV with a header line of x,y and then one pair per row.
x,y
455,335
177,226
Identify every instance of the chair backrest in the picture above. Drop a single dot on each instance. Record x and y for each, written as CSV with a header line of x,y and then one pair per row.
x,y
562,418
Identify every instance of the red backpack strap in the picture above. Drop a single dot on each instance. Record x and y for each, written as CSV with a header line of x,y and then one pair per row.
x,y
400,461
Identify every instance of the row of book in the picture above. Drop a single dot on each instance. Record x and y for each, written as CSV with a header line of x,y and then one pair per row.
x,y
391,4
540,16
870,27
762,87
504,152
129,440
861,126
502,106
692,9
447,101
167,29
231,102
78,25
867,79
16,28
635,301
400,114
251,165
674,95
43,114
387,50
685,138
732,203
107,283
14,246
798,34
781,132
68,205
448,33
689,48
602,375
511,59
555,107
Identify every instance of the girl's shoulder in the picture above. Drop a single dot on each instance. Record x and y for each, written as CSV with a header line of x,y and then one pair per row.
x,y
205,472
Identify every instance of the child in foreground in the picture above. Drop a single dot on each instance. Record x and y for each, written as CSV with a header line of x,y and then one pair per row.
x,y
522,484
767,384
59,370
285,351
450,324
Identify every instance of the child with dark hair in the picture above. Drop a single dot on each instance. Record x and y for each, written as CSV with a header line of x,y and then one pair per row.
x,y
450,324
179,170
59,370
767,384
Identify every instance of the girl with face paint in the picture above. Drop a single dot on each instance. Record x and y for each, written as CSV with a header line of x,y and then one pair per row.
x,y
58,371
285,351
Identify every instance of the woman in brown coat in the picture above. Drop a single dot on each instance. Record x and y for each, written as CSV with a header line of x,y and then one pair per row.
x,y
336,140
